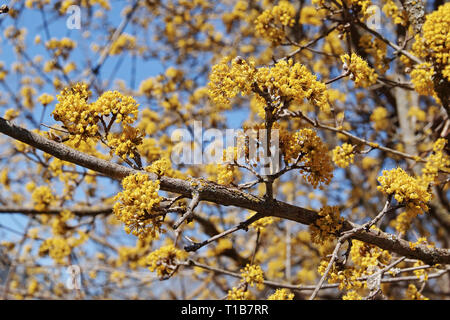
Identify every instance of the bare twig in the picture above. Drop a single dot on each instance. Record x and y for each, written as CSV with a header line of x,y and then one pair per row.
x,y
241,226
189,212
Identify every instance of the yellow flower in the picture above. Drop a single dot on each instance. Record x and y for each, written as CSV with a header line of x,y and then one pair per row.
x,y
251,275
58,249
165,259
343,155
137,206
379,117
272,22
360,72
327,226
413,294
418,113
42,197
413,192
45,99
238,294
61,47
281,294
225,174
11,114
285,79
391,10
421,77
262,223
433,44
159,167
351,295
124,42
436,161
314,156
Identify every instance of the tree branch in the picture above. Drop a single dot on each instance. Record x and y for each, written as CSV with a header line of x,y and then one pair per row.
x,y
224,195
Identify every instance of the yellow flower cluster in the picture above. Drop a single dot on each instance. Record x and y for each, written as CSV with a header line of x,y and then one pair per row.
x,y
285,79
379,118
225,174
61,47
421,77
160,167
262,223
11,114
366,255
347,278
294,82
327,226
117,277
413,294
73,110
281,294
403,221
42,198
136,206
161,85
238,294
27,93
123,108
4,178
417,113
226,82
377,49
360,72
38,3
124,42
33,287
82,119
434,44
165,259
405,189
149,122
251,275
125,143
271,23
45,99
343,155
313,154
438,160
239,13
391,10
58,248
312,16
352,295
366,259
361,6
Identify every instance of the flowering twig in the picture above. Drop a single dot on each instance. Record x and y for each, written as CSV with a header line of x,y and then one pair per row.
x,y
317,124
334,256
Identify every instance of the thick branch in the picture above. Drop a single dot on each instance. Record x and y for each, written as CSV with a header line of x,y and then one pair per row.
x,y
82,211
223,195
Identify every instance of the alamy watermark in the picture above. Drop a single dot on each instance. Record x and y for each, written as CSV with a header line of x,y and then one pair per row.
x,y
258,148
74,19
73,281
